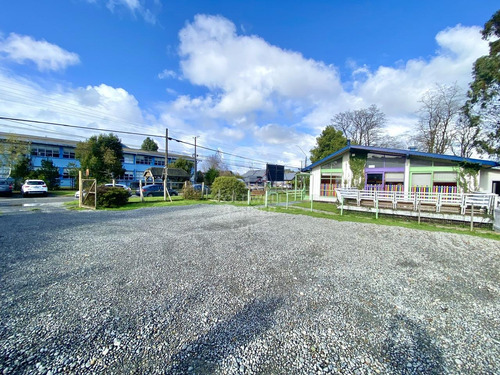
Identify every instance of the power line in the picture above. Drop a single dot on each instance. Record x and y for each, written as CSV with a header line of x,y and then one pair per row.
x,y
130,133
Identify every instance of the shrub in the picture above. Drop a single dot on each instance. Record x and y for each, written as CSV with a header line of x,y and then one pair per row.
x,y
229,187
111,197
188,192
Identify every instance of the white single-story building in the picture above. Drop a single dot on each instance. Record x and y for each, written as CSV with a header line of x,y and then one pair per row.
x,y
385,169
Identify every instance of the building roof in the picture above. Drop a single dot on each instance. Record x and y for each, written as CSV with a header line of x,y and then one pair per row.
x,y
394,151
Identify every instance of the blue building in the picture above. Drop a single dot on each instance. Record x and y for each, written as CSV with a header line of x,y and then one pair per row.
x,y
62,154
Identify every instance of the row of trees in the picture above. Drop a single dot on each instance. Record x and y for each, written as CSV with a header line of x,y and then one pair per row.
x,y
447,120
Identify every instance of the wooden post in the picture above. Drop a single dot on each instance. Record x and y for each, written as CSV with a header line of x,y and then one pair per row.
x,y
249,197
265,200
140,191
419,204
80,189
287,200
472,217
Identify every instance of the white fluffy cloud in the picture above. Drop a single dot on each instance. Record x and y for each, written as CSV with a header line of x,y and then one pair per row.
x,y
398,89
247,73
277,97
46,56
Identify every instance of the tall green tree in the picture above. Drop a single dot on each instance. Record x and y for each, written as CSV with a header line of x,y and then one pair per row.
x,y
182,163
49,173
23,168
149,145
484,93
210,175
327,143
102,156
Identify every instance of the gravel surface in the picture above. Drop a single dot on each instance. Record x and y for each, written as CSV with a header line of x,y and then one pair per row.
x,y
228,290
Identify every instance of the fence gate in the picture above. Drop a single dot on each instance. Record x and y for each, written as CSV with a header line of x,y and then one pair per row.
x,y
88,192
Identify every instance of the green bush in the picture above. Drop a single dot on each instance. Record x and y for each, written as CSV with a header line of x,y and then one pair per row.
x,y
229,188
188,192
111,197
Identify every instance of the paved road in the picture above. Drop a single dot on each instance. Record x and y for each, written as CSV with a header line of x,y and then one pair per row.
x,y
17,204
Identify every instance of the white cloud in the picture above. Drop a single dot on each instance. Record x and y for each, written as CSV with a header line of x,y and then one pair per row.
x,y
46,56
167,74
135,7
247,73
397,90
260,101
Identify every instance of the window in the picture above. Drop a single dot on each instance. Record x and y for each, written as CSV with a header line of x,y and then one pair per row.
x,y
421,179
128,158
394,161
143,159
68,153
391,177
335,164
375,161
160,161
374,179
420,162
128,176
445,177
45,151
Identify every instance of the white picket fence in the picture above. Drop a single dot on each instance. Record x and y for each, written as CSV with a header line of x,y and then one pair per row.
x,y
464,201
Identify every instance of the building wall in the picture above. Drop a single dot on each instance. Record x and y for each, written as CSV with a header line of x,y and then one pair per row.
x,y
61,153
420,174
489,181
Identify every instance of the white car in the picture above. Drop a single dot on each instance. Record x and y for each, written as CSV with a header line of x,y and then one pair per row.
x,y
34,187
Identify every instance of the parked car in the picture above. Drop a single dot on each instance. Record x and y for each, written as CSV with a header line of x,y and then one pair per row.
x,y
197,187
121,186
5,187
77,194
34,187
154,190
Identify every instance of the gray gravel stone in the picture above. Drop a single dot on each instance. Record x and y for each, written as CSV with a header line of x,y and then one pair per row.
x,y
228,290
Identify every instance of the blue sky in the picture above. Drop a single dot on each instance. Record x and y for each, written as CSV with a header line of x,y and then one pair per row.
x,y
259,79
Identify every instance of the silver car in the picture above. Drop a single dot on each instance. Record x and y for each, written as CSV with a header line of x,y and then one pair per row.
x,y
5,188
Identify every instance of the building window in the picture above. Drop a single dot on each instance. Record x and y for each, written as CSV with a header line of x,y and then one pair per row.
x,y
335,164
128,176
394,161
329,182
160,161
45,151
375,161
420,162
128,159
68,153
143,159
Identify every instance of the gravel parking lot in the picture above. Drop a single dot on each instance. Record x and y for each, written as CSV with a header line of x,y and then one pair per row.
x,y
228,290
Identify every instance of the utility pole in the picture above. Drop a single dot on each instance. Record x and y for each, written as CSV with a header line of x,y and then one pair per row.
x,y
195,164
165,182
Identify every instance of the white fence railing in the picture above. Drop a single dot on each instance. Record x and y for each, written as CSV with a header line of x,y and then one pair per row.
x,y
476,200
